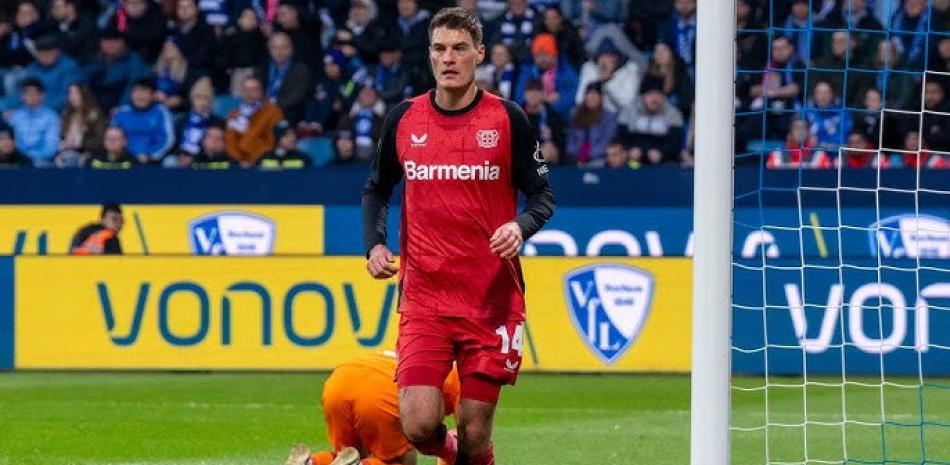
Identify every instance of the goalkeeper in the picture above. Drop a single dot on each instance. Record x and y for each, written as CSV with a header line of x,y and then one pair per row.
x,y
361,410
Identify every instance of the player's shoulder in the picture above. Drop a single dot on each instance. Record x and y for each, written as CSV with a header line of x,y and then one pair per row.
x,y
397,111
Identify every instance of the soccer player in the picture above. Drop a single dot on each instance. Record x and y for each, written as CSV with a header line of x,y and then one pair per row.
x,y
464,154
360,406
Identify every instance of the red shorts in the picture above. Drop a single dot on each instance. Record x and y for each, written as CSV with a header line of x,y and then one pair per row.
x,y
487,352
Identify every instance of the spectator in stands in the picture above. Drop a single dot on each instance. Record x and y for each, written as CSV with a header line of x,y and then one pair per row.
x,y
100,238
516,28
781,89
287,79
652,128
680,32
940,58
557,77
36,126
250,127
619,80
798,30
828,121
799,149
568,40
499,73
860,152
911,154
345,148
900,90
84,125
192,126
193,37
14,38
362,32
836,62
114,153
147,125
548,125
364,122
677,85
394,82
333,96
303,34
213,154
10,157
174,75
286,155
592,127
909,31
143,25
751,38
412,35
936,123
855,16
588,12
112,73
77,31
55,70
245,47
867,121
618,158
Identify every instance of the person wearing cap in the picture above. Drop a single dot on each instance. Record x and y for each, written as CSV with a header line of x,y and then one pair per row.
x,y
558,78
36,126
147,124
286,156
652,128
111,74
10,157
332,96
620,80
394,80
55,70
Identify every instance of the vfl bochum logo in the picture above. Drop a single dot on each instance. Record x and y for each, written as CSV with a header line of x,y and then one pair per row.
x,y
231,233
609,304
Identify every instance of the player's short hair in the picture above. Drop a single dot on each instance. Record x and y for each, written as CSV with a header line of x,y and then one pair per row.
x,y
110,207
458,18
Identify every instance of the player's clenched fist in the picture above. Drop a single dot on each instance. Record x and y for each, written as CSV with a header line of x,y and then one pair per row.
x,y
507,240
381,264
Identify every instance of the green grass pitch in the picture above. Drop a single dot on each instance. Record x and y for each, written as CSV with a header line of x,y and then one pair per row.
x,y
190,419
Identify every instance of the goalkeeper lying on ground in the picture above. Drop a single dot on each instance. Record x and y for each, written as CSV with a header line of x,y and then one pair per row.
x,y
361,409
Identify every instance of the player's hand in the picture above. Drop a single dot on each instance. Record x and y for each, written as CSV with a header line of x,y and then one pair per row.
x,y
507,240
381,263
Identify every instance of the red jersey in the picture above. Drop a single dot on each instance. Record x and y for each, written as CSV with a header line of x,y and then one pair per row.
x,y
462,170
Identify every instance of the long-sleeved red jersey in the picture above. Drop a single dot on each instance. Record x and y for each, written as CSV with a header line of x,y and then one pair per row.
x,y
463,170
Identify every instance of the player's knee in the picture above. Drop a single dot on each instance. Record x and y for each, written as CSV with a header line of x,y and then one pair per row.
x,y
419,429
474,437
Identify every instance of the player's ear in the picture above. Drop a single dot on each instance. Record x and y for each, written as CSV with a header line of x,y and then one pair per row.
x,y
480,56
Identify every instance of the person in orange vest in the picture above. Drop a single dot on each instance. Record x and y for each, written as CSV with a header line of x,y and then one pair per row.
x,y
361,410
100,238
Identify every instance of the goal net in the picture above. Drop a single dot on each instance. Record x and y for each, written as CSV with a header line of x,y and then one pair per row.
x,y
841,233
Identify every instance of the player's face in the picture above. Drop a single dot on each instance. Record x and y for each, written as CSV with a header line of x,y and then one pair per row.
x,y
454,56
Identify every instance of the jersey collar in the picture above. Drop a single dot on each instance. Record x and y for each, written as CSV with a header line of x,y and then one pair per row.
x,y
466,108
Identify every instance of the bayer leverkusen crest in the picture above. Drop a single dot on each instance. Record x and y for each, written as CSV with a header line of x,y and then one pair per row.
x,y
609,305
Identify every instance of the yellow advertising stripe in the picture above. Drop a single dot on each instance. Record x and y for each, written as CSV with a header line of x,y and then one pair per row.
x,y
167,229
819,235
313,312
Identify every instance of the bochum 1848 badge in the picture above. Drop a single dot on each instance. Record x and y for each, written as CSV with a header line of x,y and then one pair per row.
x,y
609,305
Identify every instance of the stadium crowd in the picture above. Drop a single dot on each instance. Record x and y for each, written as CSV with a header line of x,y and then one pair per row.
x,y
285,84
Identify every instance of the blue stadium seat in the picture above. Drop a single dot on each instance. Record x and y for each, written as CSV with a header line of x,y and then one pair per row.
x,y
764,145
320,149
223,104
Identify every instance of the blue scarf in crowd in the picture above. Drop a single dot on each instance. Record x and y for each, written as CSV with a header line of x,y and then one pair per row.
x,y
194,132
914,53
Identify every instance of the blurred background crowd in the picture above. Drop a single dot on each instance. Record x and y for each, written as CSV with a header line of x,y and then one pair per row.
x,y
288,84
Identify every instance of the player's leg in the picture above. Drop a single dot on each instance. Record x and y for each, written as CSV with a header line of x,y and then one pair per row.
x,y
489,357
426,354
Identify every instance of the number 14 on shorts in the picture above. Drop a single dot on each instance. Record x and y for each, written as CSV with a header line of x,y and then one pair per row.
x,y
511,342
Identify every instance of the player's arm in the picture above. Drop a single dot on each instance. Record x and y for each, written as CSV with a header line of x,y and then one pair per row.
x,y
385,173
530,175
